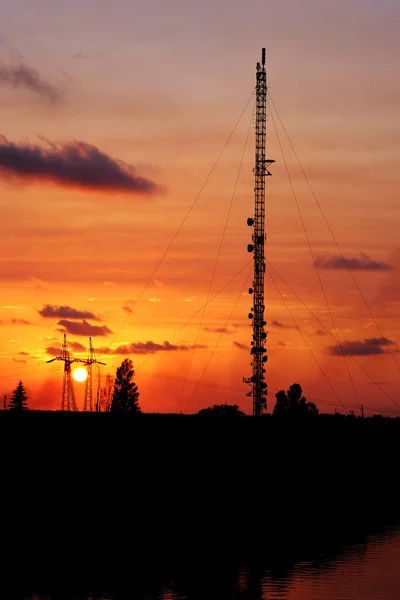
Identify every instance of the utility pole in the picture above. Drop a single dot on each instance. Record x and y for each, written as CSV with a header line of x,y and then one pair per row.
x,y
258,351
88,399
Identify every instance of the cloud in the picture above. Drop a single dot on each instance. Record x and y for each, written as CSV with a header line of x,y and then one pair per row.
x,y
280,325
149,348
129,306
19,360
23,76
83,328
321,332
365,263
65,312
189,299
227,329
56,350
20,322
240,345
277,324
154,299
76,347
366,347
53,351
73,164
23,353
15,322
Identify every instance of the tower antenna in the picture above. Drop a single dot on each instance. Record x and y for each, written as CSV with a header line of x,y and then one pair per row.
x,y
258,351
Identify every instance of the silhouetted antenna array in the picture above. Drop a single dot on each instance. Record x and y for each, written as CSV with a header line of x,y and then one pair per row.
x,y
258,351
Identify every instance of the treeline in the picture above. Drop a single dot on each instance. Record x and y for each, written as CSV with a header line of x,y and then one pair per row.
x,y
120,394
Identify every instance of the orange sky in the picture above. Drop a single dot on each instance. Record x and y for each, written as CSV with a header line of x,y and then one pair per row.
x,y
160,89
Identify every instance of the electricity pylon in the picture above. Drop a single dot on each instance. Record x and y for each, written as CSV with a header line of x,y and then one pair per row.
x,y
91,360
68,399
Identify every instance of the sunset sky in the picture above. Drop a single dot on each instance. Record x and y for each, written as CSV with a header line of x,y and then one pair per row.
x,y
113,115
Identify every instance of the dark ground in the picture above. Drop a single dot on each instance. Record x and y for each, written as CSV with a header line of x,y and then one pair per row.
x,y
88,496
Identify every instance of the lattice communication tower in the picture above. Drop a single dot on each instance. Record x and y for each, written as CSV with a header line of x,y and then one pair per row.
x,y
258,350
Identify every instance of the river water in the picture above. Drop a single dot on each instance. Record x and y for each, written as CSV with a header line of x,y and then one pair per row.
x,y
366,570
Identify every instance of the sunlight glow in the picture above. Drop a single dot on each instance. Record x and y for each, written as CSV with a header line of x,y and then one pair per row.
x,y
80,374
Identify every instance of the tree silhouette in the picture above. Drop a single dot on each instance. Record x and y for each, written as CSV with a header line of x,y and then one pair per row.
x,y
222,409
106,394
126,395
19,398
293,404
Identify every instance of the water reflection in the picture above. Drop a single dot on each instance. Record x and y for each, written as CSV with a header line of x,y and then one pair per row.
x,y
366,569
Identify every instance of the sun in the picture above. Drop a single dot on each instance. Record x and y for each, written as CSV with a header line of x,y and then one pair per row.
x,y
80,374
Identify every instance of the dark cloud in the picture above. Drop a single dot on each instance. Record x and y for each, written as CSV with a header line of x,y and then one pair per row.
x,y
365,263
77,347
19,360
83,328
321,332
56,350
366,347
127,309
23,353
228,330
65,312
281,344
240,345
53,351
149,348
23,76
70,164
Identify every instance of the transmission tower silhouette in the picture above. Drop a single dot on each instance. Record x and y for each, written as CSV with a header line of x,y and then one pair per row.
x,y
91,360
68,398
